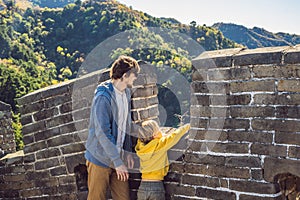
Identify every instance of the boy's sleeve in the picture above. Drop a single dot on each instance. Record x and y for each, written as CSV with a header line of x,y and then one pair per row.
x,y
170,140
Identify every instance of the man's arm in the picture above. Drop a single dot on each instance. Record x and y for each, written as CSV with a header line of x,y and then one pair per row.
x,y
102,116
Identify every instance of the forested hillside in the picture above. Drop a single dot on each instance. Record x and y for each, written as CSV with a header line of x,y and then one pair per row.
x,y
45,42
43,46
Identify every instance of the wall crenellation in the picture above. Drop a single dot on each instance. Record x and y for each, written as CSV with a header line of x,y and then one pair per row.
x,y
7,141
55,122
244,141
245,122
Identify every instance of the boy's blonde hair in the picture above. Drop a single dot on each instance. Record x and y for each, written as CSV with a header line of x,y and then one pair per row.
x,y
147,129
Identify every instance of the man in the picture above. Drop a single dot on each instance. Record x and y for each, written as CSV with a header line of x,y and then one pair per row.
x,y
109,128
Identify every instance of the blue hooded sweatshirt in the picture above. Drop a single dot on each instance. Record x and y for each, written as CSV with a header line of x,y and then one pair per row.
x,y
101,146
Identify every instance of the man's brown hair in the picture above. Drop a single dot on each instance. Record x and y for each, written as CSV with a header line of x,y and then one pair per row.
x,y
124,64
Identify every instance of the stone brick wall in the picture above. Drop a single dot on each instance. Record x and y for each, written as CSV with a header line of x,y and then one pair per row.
x,y
244,142
245,138
7,138
55,121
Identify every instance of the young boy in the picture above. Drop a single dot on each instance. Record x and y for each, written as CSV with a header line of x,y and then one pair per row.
x,y
152,149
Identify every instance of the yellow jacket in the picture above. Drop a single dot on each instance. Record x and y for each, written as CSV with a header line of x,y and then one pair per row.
x,y
154,163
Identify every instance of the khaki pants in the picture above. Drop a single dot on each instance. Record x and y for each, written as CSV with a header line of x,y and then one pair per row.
x,y
100,179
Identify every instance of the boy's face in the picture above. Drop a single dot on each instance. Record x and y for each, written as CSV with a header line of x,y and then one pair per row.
x,y
128,80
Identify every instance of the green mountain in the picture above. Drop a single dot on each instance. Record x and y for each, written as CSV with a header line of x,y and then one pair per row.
x,y
256,37
44,42
44,46
47,44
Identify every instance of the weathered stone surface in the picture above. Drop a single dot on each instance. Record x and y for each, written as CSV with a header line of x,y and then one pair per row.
x,y
144,92
277,99
60,170
34,127
256,197
199,74
269,150
45,134
204,159
289,85
26,119
73,148
57,120
215,194
276,71
45,164
294,152
250,136
292,55
205,111
45,113
233,73
252,111
253,186
200,100
288,112
252,86
207,135
269,55
48,153
257,174
214,59
7,140
243,161
274,166
244,118
277,125
210,88
44,93
147,75
228,147
238,99
73,160
287,138
35,147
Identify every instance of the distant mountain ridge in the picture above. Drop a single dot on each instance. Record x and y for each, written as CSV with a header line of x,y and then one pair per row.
x,y
43,42
249,37
256,37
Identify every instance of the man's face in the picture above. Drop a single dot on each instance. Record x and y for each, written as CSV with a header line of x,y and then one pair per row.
x,y
130,79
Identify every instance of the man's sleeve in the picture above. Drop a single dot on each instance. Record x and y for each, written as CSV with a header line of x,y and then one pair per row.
x,y
102,119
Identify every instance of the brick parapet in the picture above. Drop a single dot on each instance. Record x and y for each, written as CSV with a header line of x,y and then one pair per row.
x,y
244,142
55,121
7,136
245,123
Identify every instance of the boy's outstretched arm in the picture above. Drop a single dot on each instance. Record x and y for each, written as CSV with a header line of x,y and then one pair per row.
x,y
171,139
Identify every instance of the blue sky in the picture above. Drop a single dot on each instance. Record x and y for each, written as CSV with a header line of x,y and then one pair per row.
x,y
272,15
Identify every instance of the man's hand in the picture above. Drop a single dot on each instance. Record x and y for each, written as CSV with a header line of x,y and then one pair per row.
x,y
130,161
122,173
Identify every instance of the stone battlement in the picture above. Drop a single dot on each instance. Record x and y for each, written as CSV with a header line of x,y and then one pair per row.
x,y
244,141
